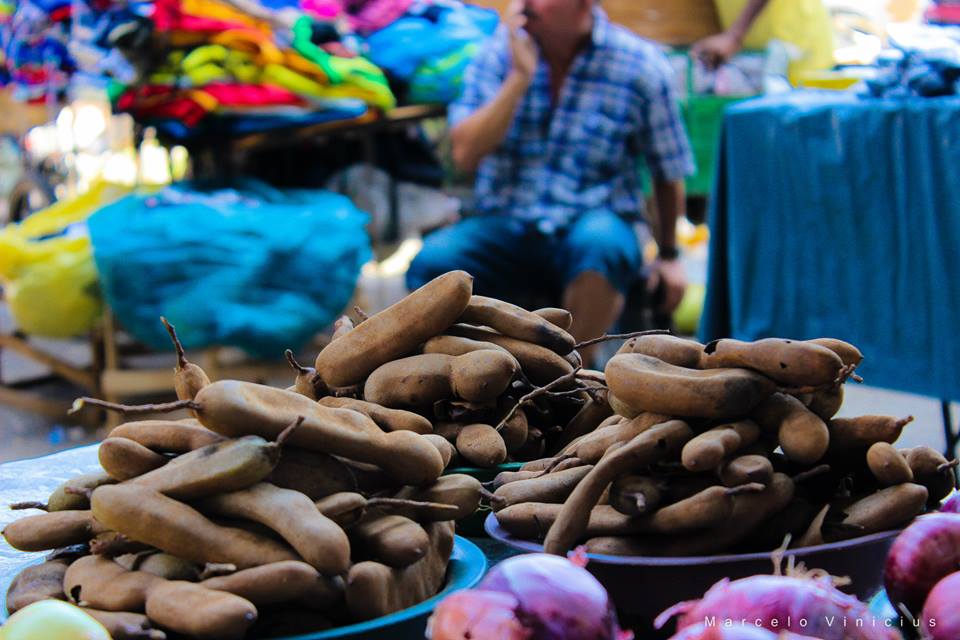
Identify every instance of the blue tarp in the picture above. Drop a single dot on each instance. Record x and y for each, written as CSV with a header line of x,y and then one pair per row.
x,y
840,216
246,266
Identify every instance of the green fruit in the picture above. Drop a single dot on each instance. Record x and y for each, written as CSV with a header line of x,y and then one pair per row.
x,y
687,316
52,620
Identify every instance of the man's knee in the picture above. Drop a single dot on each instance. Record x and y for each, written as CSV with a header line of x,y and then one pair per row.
x,y
434,259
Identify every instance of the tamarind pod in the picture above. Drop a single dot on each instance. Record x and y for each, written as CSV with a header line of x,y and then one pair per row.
x,y
707,450
540,364
447,450
314,474
887,465
553,487
792,520
637,495
273,583
933,471
150,517
541,464
516,322
448,430
647,384
100,583
533,448
813,536
479,376
506,477
167,436
319,541
71,495
113,544
852,434
216,468
744,469
848,353
307,383
52,530
458,346
885,509
124,625
621,408
162,565
650,446
514,431
679,352
826,402
460,490
345,508
188,378
386,419
421,512
791,363
371,478
750,511
198,612
235,409
375,590
558,317
803,436
395,541
595,445
124,459
395,331
586,421
37,582
481,445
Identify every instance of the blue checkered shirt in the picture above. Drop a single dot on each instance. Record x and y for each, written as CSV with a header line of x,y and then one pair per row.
x,y
617,104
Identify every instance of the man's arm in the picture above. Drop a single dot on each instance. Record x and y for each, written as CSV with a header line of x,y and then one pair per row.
x,y
670,199
715,50
480,133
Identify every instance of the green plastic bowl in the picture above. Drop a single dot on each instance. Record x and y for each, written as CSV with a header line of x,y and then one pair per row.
x,y
467,566
472,526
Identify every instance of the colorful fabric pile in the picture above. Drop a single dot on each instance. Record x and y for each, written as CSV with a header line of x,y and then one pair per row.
x,y
34,35
256,65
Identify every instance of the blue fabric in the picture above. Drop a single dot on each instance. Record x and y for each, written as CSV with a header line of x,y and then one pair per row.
x,y
247,266
508,256
838,216
617,104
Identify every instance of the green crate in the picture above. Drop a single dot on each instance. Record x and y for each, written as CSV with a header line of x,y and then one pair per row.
x,y
703,117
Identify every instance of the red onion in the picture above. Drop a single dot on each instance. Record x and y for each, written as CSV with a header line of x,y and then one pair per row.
x,y
477,614
558,599
941,615
736,632
952,505
925,552
813,607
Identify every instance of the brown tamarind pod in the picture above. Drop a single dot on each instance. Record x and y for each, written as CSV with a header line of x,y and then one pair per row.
x,y
648,384
71,495
887,465
744,469
791,363
447,451
516,322
113,544
124,459
277,583
312,473
162,565
457,489
124,625
850,355
932,470
395,331
826,402
307,382
37,582
558,317
394,540
100,583
188,378
595,445
553,487
859,434
539,363
708,450
480,376
586,421
515,430
198,612
386,419
458,346
167,436
481,445
52,530
679,352
803,436
885,509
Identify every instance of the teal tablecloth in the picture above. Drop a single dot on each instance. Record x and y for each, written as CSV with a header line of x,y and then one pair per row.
x,y
840,216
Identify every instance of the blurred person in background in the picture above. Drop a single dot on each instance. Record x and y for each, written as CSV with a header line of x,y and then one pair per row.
x,y
803,25
555,112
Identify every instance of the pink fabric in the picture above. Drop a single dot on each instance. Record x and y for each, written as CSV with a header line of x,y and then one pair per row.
x,y
251,95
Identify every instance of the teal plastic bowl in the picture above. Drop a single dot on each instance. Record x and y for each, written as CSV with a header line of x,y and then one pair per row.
x,y
472,526
467,566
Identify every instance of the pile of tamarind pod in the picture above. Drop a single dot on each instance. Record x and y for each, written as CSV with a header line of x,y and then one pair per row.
x,y
723,448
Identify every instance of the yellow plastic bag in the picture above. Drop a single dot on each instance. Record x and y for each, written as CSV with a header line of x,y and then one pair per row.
x,y
47,269
805,24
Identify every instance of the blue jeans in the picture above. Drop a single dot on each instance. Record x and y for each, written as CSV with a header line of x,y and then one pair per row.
x,y
508,256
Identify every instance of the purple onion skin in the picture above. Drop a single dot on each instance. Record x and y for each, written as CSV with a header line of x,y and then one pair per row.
x,y
926,551
941,615
703,632
558,599
952,505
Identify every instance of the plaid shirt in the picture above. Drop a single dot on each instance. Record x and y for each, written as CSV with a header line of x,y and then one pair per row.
x,y
617,104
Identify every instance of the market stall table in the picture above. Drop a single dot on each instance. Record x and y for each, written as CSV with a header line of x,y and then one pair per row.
x,y
836,215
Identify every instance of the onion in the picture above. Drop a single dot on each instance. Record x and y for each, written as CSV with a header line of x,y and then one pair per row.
x,y
736,632
952,505
803,605
477,614
941,615
926,551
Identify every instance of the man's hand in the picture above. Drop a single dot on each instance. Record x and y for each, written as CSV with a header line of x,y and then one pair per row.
x,y
716,50
523,49
671,275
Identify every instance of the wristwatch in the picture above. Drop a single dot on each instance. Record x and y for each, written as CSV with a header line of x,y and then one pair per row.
x,y
668,253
